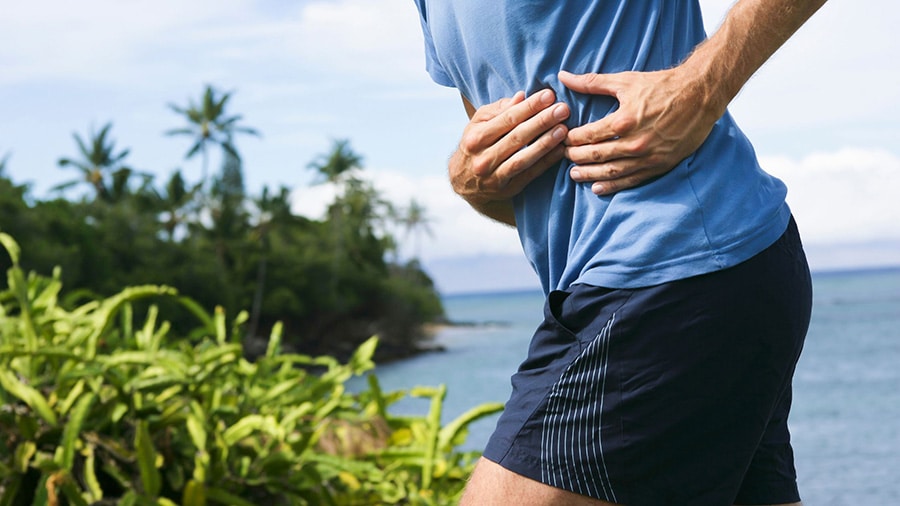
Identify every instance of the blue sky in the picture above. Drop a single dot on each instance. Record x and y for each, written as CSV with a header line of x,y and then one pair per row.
x,y
823,113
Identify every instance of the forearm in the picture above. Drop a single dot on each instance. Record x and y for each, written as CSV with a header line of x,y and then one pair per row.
x,y
498,210
750,34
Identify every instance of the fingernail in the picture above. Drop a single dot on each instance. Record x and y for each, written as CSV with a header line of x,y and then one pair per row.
x,y
575,173
559,133
547,97
561,112
598,188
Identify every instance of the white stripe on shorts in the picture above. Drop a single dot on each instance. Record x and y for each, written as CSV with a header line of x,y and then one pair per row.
x,y
571,443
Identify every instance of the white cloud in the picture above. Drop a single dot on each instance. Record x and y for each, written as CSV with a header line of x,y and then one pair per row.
x,y
97,40
849,195
105,41
375,39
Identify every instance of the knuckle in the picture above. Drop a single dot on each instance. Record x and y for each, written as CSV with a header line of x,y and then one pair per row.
x,y
509,121
515,165
481,167
638,146
622,124
613,172
471,140
516,140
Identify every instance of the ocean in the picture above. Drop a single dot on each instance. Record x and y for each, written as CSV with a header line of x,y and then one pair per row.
x,y
845,421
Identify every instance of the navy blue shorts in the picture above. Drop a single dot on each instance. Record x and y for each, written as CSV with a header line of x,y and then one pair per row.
x,y
676,394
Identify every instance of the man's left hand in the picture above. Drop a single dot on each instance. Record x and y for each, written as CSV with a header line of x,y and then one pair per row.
x,y
662,118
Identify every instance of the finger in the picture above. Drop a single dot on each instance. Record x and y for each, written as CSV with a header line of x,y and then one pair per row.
x,y
603,172
520,112
518,182
491,110
489,124
616,125
527,158
606,151
616,176
593,84
530,130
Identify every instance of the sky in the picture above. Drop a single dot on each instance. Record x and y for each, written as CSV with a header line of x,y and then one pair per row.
x,y
822,113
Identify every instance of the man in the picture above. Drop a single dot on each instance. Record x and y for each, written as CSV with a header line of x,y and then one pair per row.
x,y
678,292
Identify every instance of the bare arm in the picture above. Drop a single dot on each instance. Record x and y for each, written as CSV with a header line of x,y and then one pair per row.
x,y
665,116
504,147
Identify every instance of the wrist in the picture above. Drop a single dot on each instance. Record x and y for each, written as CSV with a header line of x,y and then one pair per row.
x,y
707,82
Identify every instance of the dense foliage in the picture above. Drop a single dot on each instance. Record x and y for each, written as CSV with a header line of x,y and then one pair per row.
x,y
100,406
333,282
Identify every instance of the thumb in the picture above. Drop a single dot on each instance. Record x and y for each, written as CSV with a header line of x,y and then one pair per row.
x,y
591,84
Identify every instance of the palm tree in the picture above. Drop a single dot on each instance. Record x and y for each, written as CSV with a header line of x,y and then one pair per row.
x,y
208,124
98,161
337,168
415,221
272,210
338,164
174,207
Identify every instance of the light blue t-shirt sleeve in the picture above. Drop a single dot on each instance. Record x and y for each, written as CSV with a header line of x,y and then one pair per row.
x,y
432,65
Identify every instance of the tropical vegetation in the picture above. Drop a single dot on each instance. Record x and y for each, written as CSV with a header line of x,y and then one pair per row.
x,y
101,403
331,282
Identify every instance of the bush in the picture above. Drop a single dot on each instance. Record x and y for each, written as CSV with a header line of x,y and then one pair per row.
x,y
96,409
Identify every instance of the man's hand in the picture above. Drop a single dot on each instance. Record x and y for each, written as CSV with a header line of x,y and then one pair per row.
x,y
662,118
504,147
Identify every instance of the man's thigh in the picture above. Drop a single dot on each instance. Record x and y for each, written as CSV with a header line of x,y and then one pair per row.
x,y
493,485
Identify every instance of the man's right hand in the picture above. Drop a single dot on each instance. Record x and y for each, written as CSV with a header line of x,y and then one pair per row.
x,y
504,147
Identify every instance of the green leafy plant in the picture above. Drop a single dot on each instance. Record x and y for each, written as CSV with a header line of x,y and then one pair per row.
x,y
96,408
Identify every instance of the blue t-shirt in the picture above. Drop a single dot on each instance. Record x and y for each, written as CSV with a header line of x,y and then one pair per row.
x,y
714,210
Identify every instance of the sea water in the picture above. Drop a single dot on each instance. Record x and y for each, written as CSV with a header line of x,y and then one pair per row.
x,y
846,416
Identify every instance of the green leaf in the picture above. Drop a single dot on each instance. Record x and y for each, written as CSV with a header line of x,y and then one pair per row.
x,y
102,318
73,429
197,431
248,425
146,455
199,312
274,346
361,361
144,337
194,494
219,322
222,497
434,427
24,452
73,395
70,490
155,384
227,353
448,434
95,491
43,352
30,396
279,390
12,247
